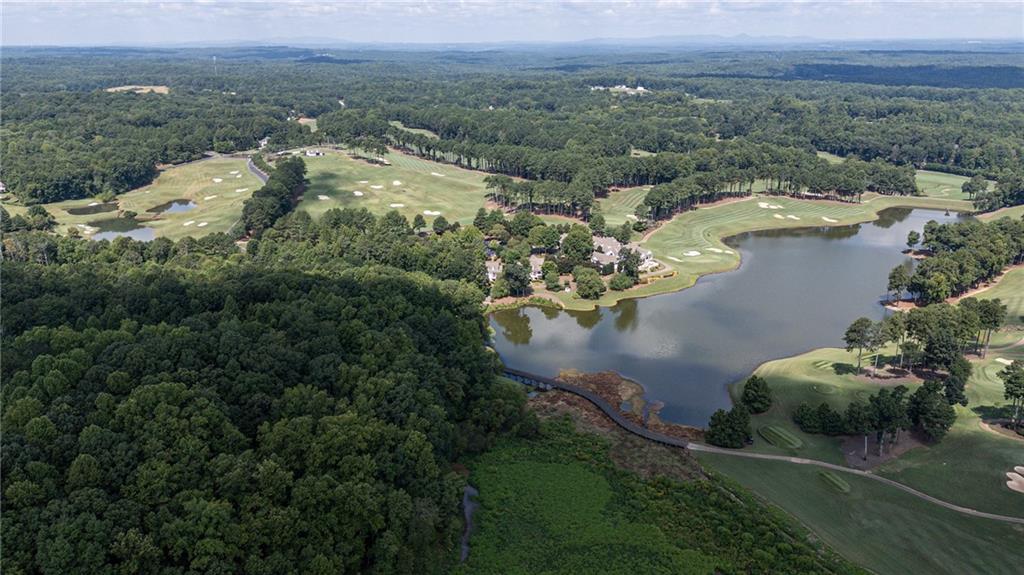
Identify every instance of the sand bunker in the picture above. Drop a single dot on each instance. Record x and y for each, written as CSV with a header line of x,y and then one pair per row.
x,y
675,259
396,183
217,180
377,187
91,204
233,172
396,205
357,193
209,197
239,176
730,252
1015,481
364,181
431,213
322,197
630,217
792,217
189,223
240,190
436,174
202,224
779,216
768,206
1004,361
716,250
691,253
829,220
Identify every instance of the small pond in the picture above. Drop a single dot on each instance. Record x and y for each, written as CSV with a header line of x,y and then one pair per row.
x,y
795,290
172,207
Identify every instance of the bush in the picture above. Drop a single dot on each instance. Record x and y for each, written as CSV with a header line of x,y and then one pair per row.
x,y
588,284
757,396
621,282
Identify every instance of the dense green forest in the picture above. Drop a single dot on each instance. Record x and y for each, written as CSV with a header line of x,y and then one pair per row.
x,y
65,137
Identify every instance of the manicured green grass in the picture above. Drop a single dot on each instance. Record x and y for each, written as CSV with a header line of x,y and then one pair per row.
x,y
940,184
831,158
1015,212
620,205
780,437
192,181
421,131
881,528
834,481
456,193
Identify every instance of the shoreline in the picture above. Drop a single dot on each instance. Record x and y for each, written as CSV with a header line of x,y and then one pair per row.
x,y
683,279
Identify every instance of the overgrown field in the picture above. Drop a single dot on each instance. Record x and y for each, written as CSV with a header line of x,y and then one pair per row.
x,y
557,504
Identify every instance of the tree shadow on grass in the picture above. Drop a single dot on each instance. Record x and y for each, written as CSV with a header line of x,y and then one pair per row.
x,y
844,368
993,412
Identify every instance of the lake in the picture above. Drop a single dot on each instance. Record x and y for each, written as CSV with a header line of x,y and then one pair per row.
x,y
794,291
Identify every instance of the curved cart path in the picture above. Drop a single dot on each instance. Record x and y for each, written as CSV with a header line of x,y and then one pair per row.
x,y
613,414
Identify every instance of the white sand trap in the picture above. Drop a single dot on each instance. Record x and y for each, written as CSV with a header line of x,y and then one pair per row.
x,y
1019,469
691,253
210,197
233,172
675,259
94,204
240,190
630,217
202,224
364,181
716,250
322,197
829,220
1004,361
396,205
217,180
189,223
239,176
774,207
730,252
431,213
1015,481
377,187
396,183
779,216
792,217
762,205
436,174
146,192
357,194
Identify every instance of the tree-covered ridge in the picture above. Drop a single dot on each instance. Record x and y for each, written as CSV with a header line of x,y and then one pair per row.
x,y
240,420
65,137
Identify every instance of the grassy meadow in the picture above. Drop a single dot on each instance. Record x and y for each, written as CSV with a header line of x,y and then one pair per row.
x,y
219,205
423,186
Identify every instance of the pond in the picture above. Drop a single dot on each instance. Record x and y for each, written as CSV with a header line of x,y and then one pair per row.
x,y
173,207
117,227
92,209
795,290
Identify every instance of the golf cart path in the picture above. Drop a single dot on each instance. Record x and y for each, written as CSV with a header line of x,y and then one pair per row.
x,y
628,425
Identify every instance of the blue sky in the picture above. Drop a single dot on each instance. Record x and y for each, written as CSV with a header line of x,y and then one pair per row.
x,y
140,22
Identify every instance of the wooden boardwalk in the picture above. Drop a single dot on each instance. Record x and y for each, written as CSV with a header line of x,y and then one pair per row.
x,y
616,416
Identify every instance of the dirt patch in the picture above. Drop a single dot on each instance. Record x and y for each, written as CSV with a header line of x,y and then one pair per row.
x,y
1000,428
853,450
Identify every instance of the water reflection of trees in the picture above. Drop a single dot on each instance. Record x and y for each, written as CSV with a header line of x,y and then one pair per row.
x,y
626,317
889,217
515,325
586,319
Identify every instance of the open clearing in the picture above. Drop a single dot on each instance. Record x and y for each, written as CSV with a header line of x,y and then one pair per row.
x,y
311,122
941,185
410,185
140,89
217,204
420,131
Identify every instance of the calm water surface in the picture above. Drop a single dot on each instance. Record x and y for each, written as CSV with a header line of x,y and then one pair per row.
x,y
117,227
795,290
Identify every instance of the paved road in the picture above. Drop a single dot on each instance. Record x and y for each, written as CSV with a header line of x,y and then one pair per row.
x,y
256,171
614,414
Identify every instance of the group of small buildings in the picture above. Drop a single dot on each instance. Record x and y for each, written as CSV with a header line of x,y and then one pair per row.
x,y
607,252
